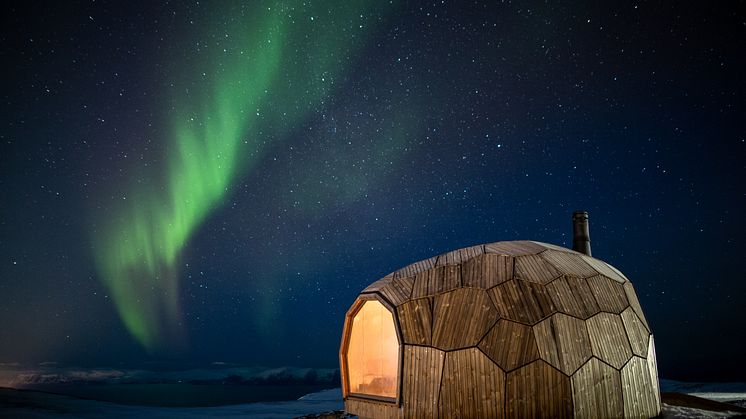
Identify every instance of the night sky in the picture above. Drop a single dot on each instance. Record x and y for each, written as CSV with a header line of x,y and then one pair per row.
x,y
190,182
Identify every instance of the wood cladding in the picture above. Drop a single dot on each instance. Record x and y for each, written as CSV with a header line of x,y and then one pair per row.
x,y
639,393
486,271
514,248
549,246
513,329
379,284
653,371
597,391
604,269
609,294
461,317
472,387
423,369
609,339
372,409
563,342
618,272
416,321
436,280
456,257
550,392
535,268
572,295
629,290
569,263
398,290
510,345
417,267
636,331
522,301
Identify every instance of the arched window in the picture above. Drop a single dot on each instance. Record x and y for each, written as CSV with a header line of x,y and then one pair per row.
x,y
373,352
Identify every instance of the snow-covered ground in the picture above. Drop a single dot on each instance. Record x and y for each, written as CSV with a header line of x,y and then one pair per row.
x,y
38,405
689,412
734,393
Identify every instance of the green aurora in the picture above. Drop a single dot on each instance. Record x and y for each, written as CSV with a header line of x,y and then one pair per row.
x,y
259,75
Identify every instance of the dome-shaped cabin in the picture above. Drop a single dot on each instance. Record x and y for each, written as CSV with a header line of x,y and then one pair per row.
x,y
507,329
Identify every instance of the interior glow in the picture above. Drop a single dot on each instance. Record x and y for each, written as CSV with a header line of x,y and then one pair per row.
x,y
373,352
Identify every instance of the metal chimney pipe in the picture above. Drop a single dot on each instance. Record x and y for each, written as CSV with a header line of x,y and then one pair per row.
x,y
581,236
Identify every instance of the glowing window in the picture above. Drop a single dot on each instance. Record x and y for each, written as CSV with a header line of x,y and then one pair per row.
x,y
373,352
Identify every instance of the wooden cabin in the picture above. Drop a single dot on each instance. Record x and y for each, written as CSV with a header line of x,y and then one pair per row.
x,y
502,330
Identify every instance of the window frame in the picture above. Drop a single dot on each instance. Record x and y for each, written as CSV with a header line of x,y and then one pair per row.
x,y
347,332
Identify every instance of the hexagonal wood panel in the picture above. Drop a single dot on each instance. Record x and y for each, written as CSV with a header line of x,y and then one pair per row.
x,y
550,246
456,257
609,294
417,267
398,290
422,374
486,271
416,321
636,332
634,302
510,345
638,390
436,280
461,318
572,295
521,301
379,284
569,263
550,390
563,342
534,268
609,339
597,391
653,370
604,269
514,248
473,386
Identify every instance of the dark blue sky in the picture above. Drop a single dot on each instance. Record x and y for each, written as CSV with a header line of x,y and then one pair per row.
x,y
450,124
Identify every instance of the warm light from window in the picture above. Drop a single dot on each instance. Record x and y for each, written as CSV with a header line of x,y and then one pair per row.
x,y
373,352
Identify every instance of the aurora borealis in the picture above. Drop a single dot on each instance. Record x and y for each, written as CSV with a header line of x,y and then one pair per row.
x,y
191,183
262,62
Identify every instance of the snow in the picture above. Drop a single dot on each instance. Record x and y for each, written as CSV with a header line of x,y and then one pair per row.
x,y
38,405
688,412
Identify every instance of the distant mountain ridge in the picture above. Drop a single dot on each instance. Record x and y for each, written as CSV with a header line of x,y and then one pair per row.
x,y
15,377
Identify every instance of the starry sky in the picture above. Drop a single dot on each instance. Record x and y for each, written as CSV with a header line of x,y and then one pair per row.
x,y
191,182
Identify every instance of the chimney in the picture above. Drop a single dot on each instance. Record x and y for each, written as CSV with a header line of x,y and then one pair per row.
x,y
581,238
